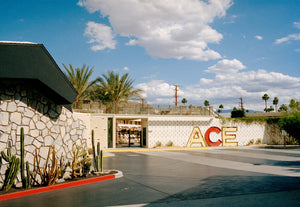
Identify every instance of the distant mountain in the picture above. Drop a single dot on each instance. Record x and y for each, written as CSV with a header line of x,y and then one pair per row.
x,y
229,111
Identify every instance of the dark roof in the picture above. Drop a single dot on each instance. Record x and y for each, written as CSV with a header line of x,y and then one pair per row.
x,y
33,63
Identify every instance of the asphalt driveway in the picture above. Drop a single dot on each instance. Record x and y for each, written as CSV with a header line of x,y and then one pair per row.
x,y
216,177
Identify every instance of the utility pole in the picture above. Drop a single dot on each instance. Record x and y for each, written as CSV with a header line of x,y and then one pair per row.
x,y
176,96
241,103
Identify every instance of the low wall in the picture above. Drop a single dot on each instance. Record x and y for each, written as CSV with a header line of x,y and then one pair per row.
x,y
178,130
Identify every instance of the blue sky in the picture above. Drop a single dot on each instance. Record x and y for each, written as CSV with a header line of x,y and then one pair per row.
x,y
216,50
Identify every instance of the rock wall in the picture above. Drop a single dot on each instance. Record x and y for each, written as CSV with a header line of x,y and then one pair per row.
x,y
45,123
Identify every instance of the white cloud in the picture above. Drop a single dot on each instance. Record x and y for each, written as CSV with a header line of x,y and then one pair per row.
x,y
226,87
126,68
101,36
158,92
288,38
297,25
166,29
258,37
226,66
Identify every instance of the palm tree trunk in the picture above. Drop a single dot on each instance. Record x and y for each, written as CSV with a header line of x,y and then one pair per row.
x,y
116,107
266,105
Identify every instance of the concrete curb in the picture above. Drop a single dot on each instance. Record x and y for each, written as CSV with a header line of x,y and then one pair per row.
x,y
60,186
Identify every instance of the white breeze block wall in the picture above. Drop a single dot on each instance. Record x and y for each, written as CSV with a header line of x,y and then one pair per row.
x,y
178,130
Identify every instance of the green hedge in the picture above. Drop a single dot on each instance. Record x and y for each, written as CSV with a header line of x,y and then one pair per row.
x,y
291,124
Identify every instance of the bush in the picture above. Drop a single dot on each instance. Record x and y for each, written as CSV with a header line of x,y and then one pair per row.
x,y
291,124
170,144
258,141
251,141
158,144
235,113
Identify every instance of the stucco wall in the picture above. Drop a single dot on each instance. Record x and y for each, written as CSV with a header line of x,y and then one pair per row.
x,y
45,123
96,123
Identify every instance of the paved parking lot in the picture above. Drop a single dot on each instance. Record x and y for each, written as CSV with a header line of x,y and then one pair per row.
x,y
215,177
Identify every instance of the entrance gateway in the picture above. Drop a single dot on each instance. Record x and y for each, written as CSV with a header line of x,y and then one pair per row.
x,y
129,133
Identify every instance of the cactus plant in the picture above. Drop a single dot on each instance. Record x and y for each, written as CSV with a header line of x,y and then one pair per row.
x,y
79,159
86,166
98,159
94,152
63,166
49,173
12,170
26,180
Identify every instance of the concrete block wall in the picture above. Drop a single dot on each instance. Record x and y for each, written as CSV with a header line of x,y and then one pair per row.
x,y
178,130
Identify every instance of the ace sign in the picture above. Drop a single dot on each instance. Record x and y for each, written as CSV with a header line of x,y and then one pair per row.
x,y
227,133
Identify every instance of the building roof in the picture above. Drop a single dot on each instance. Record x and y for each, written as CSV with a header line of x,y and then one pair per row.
x,y
32,63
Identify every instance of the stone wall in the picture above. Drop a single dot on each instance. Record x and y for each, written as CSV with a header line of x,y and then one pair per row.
x,y
45,123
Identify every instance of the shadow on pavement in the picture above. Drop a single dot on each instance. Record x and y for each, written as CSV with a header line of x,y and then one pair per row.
x,y
216,187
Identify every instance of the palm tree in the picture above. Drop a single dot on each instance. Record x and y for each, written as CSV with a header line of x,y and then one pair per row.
x,y
79,78
113,88
206,103
265,97
275,102
184,101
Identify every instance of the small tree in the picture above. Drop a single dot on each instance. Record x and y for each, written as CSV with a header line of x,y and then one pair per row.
x,y
184,101
283,107
269,109
220,108
206,103
294,105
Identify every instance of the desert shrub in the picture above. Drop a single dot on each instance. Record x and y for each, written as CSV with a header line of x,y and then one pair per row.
x,y
170,144
258,141
251,141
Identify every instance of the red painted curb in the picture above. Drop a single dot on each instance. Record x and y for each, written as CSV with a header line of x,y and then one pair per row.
x,y
55,187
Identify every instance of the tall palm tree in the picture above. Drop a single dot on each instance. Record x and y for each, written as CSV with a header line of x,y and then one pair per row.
x,y
113,88
265,97
79,78
275,103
